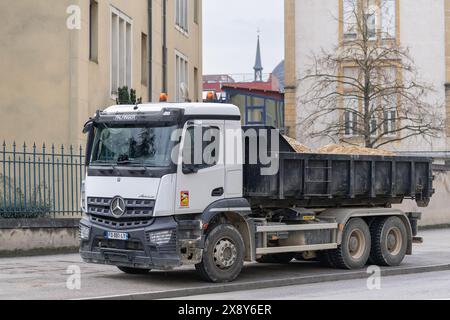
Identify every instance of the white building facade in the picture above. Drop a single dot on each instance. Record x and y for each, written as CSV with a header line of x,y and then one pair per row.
x,y
421,26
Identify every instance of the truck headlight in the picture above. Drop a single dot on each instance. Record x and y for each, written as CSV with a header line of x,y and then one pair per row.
x,y
161,237
83,197
84,232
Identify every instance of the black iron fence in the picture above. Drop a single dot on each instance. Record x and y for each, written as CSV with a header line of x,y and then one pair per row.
x,y
40,182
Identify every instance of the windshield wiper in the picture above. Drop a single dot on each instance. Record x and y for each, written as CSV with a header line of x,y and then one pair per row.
x,y
124,162
136,166
102,163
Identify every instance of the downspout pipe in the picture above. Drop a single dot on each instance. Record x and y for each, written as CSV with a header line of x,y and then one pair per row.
x,y
164,71
150,50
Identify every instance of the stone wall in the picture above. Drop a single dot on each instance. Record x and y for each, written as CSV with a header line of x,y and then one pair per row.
x,y
40,236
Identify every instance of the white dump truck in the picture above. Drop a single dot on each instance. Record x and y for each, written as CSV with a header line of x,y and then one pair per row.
x,y
186,184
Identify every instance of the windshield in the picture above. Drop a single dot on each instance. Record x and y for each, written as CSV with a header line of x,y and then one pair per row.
x,y
132,145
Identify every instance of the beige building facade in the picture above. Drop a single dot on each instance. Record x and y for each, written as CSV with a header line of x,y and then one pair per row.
x,y
62,60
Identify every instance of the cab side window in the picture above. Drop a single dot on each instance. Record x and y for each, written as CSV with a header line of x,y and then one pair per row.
x,y
201,147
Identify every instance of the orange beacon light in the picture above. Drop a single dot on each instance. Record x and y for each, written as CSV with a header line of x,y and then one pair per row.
x,y
163,97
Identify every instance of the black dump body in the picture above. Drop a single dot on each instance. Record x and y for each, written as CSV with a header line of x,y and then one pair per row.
x,y
331,180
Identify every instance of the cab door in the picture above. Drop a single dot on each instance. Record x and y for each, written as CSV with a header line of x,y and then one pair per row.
x,y
201,170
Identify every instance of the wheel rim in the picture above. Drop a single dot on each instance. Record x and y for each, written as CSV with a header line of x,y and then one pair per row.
x,y
356,244
225,253
394,241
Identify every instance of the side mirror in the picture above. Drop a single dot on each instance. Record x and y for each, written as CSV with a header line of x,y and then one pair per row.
x,y
88,126
189,169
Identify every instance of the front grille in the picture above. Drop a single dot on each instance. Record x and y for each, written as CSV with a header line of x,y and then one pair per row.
x,y
138,213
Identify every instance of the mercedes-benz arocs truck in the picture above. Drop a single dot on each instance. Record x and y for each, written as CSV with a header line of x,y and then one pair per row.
x,y
156,196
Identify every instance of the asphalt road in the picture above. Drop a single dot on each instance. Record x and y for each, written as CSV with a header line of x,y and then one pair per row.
x,y
433,285
46,277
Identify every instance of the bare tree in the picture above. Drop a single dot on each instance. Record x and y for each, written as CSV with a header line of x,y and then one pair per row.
x,y
366,90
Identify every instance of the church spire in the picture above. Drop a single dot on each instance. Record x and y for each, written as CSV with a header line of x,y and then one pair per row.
x,y
258,63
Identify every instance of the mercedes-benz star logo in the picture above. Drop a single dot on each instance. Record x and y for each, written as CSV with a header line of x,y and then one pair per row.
x,y
118,207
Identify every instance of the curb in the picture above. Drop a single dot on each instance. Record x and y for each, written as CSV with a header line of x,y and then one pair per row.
x,y
264,284
435,227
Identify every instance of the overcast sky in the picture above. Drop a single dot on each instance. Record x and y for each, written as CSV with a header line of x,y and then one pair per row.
x,y
230,31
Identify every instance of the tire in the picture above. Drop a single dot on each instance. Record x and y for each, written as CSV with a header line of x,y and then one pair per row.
x,y
223,255
128,270
389,241
354,251
282,258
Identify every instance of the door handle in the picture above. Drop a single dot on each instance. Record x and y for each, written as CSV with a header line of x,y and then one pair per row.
x,y
218,192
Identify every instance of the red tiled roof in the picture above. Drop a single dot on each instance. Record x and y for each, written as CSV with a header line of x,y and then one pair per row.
x,y
217,87
272,85
260,90
265,86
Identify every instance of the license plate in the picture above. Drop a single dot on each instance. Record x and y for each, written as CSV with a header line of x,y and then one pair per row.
x,y
116,236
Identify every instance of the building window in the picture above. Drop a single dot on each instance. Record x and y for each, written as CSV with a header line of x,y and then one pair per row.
x,y
389,123
93,31
389,102
388,19
181,78
349,19
373,120
351,81
121,51
379,17
255,115
350,116
196,85
181,14
390,115
144,59
255,110
447,105
196,10
371,19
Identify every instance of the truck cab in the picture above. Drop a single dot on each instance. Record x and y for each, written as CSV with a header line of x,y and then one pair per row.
x,y
147,184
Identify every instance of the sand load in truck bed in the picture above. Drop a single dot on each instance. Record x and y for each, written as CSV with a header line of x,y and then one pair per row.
x,y
297,146
339,149
336,149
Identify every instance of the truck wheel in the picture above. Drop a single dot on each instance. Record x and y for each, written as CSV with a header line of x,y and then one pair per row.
x,y
354,251
282,258
128,270
389,241
223,255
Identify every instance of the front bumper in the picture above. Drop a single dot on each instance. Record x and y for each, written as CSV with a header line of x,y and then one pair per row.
x,y
183,246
